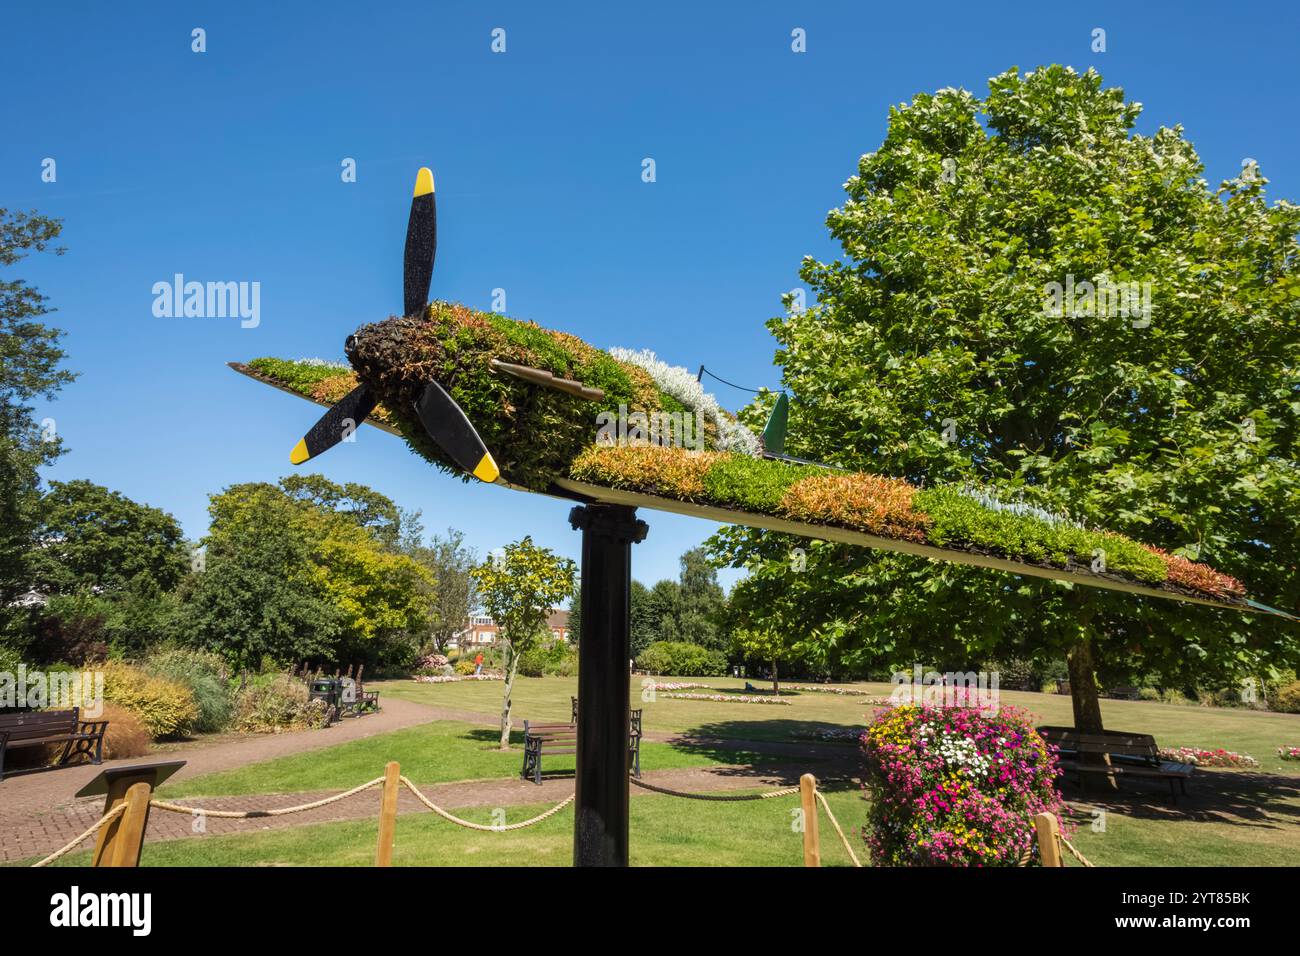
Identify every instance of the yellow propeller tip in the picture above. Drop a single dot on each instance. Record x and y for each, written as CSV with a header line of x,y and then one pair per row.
x,y
299,453
424,181
486,469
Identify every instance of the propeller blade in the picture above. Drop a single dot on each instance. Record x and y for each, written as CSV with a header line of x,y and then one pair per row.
x,y
447,425
335,425
421,245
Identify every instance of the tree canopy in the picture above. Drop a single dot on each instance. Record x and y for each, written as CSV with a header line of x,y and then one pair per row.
x,y
289,577
1034,297
30,368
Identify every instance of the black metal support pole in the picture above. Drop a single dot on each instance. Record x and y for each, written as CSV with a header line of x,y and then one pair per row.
x,y
600,831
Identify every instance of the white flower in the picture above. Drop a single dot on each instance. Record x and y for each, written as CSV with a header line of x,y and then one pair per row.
x,y
681,384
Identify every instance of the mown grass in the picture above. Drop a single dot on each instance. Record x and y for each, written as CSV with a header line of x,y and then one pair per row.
x,y
1258,733
664,831
440,752
1229,817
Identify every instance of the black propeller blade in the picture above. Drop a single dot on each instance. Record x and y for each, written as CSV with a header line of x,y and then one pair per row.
x,y
447,425
335,425
421,245
442,418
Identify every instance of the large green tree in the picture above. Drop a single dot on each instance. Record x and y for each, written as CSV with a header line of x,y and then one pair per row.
x,y
30,358
326,586
91,537
942,349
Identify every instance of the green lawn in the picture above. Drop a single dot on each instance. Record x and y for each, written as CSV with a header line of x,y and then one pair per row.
x,y
664,832
1228,817
1246,731
439,752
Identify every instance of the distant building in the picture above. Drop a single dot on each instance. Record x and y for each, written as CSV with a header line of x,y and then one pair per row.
x,y
483,631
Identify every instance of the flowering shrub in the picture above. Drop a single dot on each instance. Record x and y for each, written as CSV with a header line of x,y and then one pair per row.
x,y
432,662
276,705
951,786
1207,758
1289,753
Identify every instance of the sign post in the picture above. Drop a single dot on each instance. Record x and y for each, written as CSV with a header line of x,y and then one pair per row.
x,y
600,825
120,840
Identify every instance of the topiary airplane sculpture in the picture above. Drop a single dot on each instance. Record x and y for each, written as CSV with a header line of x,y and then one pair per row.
x,y
538,410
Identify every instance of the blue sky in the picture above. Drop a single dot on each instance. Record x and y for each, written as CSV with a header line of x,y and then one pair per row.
x,y
225,166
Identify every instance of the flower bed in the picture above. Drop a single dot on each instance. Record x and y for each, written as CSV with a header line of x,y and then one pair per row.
x,y
1200,757
952,786
729,698
839,691
678,685
1289,753
453,678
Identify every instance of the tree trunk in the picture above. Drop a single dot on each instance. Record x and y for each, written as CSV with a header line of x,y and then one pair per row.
x,y
776,681
1086,701
512,667
1083,687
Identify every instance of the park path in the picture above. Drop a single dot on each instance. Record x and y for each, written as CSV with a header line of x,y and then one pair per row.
x,y
39,812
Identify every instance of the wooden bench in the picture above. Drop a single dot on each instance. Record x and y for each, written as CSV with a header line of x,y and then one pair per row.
x,y
540,739
1129,755
42,727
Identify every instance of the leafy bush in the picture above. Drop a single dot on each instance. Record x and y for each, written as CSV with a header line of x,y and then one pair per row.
x,y
558,660
165,706
1287,699
204,673
681,659
464,666
952,786
278,704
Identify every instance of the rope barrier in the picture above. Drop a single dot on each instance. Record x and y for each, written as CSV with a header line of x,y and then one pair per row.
x,y
821,797
1075,853
109,817
470,825
719,797
250,814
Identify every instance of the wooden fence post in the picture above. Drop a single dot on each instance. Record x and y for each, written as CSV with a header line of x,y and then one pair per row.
x,y
388,814
1049,831
812,851
118,842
